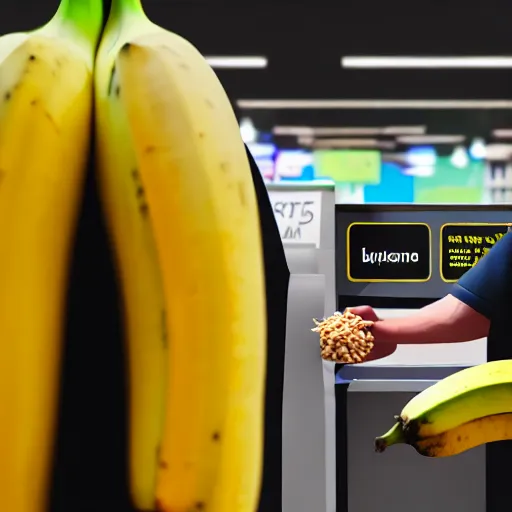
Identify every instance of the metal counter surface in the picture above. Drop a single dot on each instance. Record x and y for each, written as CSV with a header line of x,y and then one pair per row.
x,y
393,378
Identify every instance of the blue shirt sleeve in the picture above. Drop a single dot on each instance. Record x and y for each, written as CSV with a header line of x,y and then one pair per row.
x,y
488,285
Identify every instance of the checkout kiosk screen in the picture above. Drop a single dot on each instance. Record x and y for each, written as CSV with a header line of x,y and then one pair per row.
x,y
462,245
401,256
388,252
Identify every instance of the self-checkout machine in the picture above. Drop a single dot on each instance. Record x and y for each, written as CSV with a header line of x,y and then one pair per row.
x,y
304,212
398,259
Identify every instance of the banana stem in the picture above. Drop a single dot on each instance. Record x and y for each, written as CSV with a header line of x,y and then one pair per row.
x,y
84,16
394,436
121,8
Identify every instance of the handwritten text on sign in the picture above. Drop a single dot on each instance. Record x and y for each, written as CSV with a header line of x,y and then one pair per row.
x,y
298,215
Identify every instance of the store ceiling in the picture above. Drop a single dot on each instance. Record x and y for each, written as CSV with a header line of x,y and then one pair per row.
x,y
304,44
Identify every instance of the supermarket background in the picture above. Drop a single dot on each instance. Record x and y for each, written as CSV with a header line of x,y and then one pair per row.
x,y
387,164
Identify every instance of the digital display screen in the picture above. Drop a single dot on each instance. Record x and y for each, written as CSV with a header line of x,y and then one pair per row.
x,y
463,245
389,252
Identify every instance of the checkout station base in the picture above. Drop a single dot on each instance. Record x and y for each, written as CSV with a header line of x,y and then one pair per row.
x,y
399,479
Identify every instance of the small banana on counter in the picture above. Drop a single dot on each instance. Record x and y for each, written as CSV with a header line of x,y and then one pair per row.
x,y
489,429
46,79
467,409
174,169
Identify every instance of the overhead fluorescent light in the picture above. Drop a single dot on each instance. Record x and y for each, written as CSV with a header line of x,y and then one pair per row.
x,y
293,131
238,62
417,62
276,104
504,133
404,130
460,158
431,139
305,140
499,152
350,143
326,131
248,130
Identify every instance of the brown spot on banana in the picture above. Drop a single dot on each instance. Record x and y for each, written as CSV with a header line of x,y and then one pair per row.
x,y
111,81
139,192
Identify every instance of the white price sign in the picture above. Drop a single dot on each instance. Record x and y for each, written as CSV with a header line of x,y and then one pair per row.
x,y
297,215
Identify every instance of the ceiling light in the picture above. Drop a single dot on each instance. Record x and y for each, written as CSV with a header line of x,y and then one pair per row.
x,y
351,143
502,133
459,157
499,152
297,131
248,130
239,62
431,139
305,140
425,156
277,104
325,131
477,149
416,62
404,130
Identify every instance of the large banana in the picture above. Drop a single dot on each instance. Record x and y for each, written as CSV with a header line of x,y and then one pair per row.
x,y
468,395
45,114
201,205
488,429
126,210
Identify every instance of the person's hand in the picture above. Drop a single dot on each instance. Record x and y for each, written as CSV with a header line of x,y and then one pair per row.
x,y
382,348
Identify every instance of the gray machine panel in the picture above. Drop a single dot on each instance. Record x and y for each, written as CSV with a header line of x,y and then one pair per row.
x,y
308,394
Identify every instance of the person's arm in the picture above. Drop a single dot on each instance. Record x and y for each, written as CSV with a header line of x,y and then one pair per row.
x,y
466,313
444,321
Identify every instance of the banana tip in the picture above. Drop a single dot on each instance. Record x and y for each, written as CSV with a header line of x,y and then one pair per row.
x,y
380,444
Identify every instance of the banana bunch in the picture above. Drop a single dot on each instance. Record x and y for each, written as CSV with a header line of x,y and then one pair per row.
x,y
179,199
46,85
467,409
181,210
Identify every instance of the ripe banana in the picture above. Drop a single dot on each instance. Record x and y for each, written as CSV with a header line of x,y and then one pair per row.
x,y
488,429
470,394
45,111
471,400
199,202
126,212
